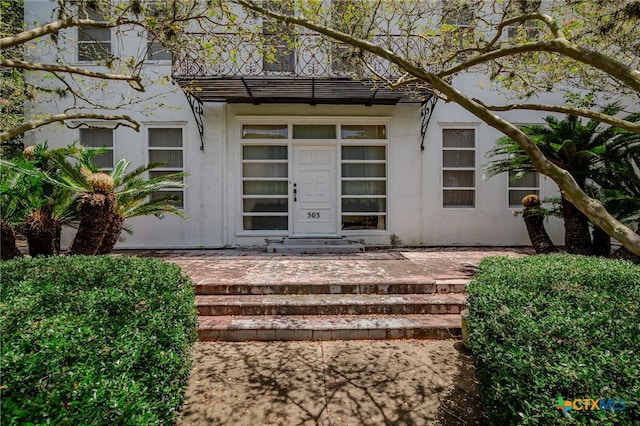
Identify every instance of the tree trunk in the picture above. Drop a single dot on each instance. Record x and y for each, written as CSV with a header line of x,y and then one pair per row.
x,y
95,213
42,234
8,246
577,238
601,242
540,240
626,254
113,234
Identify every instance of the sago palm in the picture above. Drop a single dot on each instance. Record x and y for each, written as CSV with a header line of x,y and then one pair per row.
x,y
591,153
32,203
108,198
133,198
95,202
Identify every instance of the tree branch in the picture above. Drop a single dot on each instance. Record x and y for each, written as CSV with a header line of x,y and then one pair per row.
x,y
30,125
51,28
614,68
134,81
594,115
553,27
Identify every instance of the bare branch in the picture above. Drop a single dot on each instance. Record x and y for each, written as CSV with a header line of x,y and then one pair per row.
x,y
553,27
598,116
30,125
561,46
134,81
51,28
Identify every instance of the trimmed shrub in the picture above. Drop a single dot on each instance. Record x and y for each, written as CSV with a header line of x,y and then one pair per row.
x,y
94,340
551,326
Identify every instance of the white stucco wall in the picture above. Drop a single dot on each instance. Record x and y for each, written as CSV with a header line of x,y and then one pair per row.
x,y
415,213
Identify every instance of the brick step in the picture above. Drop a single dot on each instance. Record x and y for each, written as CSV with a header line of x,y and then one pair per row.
x,y
406,286
331,304
327,327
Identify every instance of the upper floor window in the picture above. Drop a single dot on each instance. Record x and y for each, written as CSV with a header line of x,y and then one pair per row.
x,y
99,138
526,31
156,51
346,16
457,26
279,54
94,43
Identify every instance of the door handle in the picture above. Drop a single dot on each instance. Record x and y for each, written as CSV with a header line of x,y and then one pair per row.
x,y
295,192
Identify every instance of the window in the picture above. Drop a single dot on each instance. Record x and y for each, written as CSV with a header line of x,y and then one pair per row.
x,y
519,188
279,55
94,43
458,168
166,145
265,131
457,29
156,51
99,138
364,180
314,131
346,16
527,31
265,187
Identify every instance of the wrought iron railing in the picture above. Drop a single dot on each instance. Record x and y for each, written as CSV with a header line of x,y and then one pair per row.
x,y
242,55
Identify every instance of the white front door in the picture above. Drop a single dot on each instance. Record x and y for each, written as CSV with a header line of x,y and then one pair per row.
x,y
315,190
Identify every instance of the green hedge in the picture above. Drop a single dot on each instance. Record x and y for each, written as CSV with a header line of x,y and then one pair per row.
x,y
94,340
544,327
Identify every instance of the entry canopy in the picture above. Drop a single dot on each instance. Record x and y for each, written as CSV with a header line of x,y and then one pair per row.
x,y
301,90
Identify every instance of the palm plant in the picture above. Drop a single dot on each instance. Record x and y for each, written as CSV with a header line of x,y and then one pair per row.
x,y
533,216
95,202
593,155
64,186
32,204
131,190
133,198
12,207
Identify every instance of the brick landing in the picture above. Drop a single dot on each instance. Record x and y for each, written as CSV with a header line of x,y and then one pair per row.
x,y
380,294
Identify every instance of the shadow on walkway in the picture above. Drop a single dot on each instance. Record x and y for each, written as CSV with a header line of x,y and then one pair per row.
x,y
331,383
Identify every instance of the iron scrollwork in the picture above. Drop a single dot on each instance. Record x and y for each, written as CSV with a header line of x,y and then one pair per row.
x,y
198,111
425,113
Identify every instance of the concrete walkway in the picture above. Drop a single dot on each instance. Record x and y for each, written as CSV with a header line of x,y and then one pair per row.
x,y
399,382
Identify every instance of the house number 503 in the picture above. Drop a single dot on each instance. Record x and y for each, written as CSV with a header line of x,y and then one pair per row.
x,y
313,215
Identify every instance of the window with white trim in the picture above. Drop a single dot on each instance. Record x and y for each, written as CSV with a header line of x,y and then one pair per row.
x,y
457,30
363,178
525,31
265,179
155,50
94,43
458,168
166,144
280,55
519,187
99,138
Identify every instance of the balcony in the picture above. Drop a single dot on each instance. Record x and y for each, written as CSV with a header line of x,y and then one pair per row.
x,y
317,71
